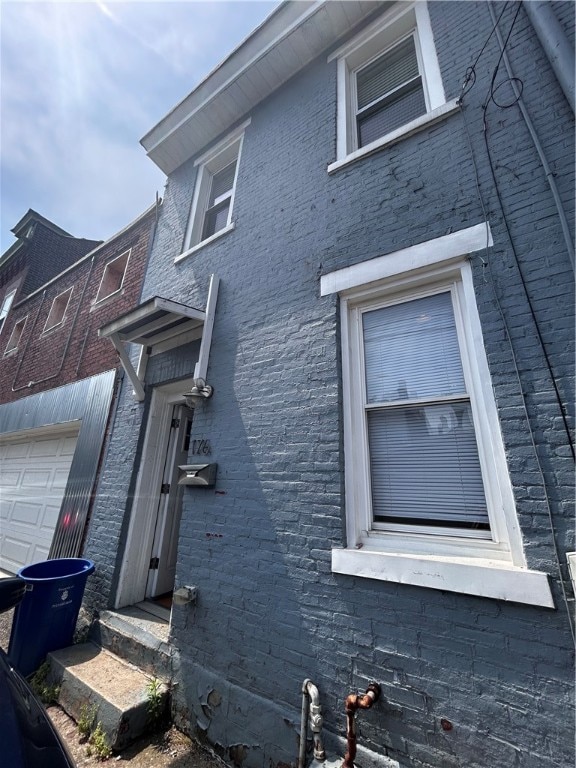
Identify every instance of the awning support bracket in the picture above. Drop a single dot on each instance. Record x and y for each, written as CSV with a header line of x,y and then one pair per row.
x,y
144,326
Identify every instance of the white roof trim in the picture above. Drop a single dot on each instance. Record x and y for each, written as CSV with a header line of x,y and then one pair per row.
x,y
291,37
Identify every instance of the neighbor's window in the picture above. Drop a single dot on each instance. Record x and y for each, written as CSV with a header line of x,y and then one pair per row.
x,y
388,79
15,336
213,202
113,276
58,310
5,307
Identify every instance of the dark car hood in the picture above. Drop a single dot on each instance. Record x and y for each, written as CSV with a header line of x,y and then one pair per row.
x,y
27,737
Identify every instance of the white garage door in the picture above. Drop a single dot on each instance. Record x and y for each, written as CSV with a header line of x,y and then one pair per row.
x,y
33,475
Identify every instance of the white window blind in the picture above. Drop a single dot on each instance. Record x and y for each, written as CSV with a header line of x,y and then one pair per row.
x,y
389,93
221,187
424,460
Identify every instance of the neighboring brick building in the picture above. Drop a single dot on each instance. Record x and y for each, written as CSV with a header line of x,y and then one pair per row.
x,y
392,364
57,378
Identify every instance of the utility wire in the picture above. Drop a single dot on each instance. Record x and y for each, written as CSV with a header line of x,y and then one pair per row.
x,y
470,75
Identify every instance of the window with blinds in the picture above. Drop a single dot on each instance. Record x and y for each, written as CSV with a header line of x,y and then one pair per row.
x,y
423,455
389,92
218,211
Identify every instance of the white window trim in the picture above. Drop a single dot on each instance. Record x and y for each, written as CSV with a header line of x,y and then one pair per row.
x,y
492,568
19,323
349,59
108,264
47,327
193,241
5,306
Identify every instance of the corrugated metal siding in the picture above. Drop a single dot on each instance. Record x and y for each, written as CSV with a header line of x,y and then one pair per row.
x,y
87,401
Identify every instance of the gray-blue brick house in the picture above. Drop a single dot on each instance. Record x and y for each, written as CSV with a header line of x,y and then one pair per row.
x,y
365,249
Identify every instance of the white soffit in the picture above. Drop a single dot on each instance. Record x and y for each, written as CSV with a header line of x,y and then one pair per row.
x,y
289,39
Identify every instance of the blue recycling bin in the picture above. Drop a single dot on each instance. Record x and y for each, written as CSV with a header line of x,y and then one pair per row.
x,y
46,617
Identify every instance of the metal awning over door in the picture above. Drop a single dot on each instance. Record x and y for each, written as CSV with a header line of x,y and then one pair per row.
x,y
158,325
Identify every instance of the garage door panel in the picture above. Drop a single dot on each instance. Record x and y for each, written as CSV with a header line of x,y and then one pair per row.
x,y
27,515
15,552
33,479
68,446
10,479
44,447
13,451
49,518
59,479
36,478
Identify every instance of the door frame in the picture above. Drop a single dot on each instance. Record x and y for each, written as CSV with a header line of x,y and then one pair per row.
x,y
140,537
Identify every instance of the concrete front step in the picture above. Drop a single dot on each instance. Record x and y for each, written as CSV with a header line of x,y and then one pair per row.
x,y
94,681
136,636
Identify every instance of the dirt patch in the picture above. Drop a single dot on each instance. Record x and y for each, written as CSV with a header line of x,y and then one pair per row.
x,y
170,749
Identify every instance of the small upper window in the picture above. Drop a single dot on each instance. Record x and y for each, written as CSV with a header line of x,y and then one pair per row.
x,y
5,308
15,336
58,310
211,214
389,92
388,80
113,276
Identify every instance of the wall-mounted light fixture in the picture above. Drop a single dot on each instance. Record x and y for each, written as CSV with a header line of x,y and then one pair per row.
x,y
199,392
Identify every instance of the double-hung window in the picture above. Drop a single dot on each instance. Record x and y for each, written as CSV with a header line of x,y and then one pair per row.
x,y
423,458
389,82
428,496
389,92
214,191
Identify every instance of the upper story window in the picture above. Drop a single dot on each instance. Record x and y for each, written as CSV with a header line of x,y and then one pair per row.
x,y
389,92
5,307
389,82
213,201
429,499
58,310
113,276
15,336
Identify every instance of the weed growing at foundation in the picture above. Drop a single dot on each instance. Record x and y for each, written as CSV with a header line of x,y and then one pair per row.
x,y
155,705
98,744
86,720
46,692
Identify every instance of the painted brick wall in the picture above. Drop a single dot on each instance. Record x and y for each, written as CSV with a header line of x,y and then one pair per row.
x,y
72,350
270,612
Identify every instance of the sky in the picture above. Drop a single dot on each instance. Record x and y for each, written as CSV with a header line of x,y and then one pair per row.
x,y
81,83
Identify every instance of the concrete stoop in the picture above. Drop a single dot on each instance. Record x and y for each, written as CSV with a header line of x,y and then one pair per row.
x,y
136,636
96,683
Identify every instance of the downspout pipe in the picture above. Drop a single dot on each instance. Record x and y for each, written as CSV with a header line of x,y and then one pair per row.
x,y
556,45
535,140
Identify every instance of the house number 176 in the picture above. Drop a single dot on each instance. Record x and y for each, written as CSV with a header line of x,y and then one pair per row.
x,y
202,447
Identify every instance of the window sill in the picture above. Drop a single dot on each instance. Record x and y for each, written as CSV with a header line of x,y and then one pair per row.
x,y
106,300
483,578
208,240
400,133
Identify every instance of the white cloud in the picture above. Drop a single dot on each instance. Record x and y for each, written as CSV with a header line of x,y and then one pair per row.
x,y
81,82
